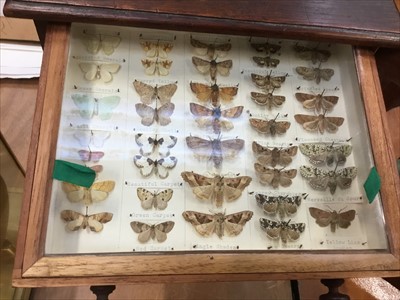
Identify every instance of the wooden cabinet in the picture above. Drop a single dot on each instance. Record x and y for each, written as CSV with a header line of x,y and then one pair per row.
x,y
50,255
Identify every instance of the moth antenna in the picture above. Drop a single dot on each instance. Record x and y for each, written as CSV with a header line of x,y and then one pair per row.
x,y
70,125
349,139
337,163
270,72
276,117
322,92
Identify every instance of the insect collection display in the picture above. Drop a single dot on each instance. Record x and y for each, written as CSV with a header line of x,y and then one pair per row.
x,y
209,142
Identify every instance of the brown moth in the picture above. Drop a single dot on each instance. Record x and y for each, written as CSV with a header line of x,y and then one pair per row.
x,y
76,221
315,73
211,50
282,205
271,126
213,93
214,149
319,123
318,103
218,188
212,67
157,48
160,115
157,199
266,47
215,117
324,153
320,179
268,100
267,82
157,66
149,231
274,177
336,219
98,191
274,156
313,54
282,230
149,93
266,61
219,223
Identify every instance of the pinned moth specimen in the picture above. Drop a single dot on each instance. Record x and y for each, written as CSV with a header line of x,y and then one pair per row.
x,y
315,73
158,200
157,66
96,42
334,219
268,100
149,93
218,188
152,231
211,50
274,156
160,115
93,156
76,221
313,54
214,149
320,179
99,191
318,103
160,167
87,138
282,230
90,106
213,93
149,143
274,177
103,72
282,205
219,223
271,126
266,61
268,82
266,47
319,123
215,117
321,153
212,67
156,49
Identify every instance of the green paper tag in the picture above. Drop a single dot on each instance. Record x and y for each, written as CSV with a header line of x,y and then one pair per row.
x,y
372,185
73,173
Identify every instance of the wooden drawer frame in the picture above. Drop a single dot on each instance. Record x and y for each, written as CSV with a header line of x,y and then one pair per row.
x,y
34,268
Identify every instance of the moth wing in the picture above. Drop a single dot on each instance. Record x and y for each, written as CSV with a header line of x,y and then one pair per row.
x,y
146,112
281,127
203,66
195,179
200,110
146,143
147,198
165,143
202,91
75,193
164,113
162,229
146,165
163,67
322,217
74,219
294,230
345,176
86,105
270,204
271,228
99,191
308,73
92,42
224,67
201,147
203,223
328,102
234,223
233,112
341,152
231,147
149,66
164,49
286,177
332,123
346,217
150,48
291,204
200,47
96,221
99,137
89,70
316,152
310,123
94,156
144,230
164,165
162,198
106,105
109,44
302,97
266,175
326,74
145,91
106,71
260,61
165,92
233,187
260,125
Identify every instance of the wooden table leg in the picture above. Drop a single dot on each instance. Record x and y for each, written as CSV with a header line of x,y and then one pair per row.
x,y
102,291
333,293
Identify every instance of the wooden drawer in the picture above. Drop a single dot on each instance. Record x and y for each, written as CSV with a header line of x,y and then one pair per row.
x,y
37,267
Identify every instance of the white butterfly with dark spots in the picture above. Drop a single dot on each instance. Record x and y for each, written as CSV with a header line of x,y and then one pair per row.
x,y
160,167
149,143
